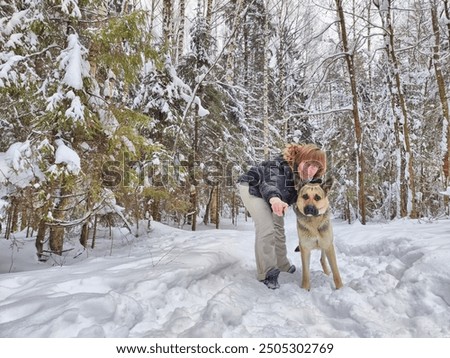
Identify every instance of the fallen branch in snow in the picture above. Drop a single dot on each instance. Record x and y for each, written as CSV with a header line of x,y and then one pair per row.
x,y
14,243
127,224
163,256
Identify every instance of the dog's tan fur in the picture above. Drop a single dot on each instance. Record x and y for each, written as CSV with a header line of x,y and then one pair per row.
x,y
316,232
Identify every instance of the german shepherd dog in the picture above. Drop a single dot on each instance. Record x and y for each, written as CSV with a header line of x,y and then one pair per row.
x,y
314,229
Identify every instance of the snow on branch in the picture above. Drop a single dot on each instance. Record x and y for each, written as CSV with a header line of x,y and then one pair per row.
x,y
73,63
18,165
67,156
15,20
6,72
70,7
202,111
76,109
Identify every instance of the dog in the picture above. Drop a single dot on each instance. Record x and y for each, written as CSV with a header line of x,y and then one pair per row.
x,y
314,229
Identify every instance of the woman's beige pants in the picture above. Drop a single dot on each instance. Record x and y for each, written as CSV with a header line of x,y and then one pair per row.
x,y
270,240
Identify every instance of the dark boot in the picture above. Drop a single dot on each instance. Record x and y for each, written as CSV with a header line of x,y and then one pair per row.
x,y
271,280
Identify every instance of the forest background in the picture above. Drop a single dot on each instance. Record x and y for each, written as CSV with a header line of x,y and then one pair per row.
x,y
118,111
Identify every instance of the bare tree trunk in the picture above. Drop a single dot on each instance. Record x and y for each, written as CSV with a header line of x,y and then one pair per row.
x,y
137,208
281,55
56,238
246,60
194,203
42,227
208,16
347,211
356,117
84,236
215,206
29,223
401,127
14,215
94,235
217,211
208,207
193,179
152,15
167,12
9,220
265,96
40,239
237,19
156,213
182,14
233,208
447,16
441,82
23,212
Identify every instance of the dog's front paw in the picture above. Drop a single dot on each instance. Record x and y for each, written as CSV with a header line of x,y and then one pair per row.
x,y
306,287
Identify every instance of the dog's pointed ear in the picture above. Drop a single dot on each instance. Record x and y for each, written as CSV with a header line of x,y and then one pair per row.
x,y
327,184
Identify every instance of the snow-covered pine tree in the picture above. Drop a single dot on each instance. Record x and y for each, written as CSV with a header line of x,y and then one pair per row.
x,y
57,103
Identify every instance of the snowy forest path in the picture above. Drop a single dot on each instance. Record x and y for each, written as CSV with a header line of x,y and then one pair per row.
x,y
177,283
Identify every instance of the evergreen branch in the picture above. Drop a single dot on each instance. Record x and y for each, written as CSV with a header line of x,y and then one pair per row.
x,y
42,51
62,223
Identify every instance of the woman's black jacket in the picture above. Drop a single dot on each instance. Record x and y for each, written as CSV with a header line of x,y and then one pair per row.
x,y
271,178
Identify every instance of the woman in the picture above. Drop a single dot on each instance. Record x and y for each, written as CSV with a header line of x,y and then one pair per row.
x,y
267,190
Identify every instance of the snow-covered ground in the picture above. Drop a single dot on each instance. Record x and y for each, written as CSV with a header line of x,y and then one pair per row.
x,y
178,283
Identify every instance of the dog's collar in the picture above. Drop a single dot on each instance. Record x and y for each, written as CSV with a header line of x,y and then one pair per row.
x,y
315,181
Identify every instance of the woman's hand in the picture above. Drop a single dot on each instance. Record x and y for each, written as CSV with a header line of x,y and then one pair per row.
x,y
278,206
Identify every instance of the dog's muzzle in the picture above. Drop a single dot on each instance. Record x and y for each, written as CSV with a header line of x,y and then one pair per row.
x,y
311,210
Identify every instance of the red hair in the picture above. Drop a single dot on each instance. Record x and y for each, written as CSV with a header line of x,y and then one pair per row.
x,y
294,154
